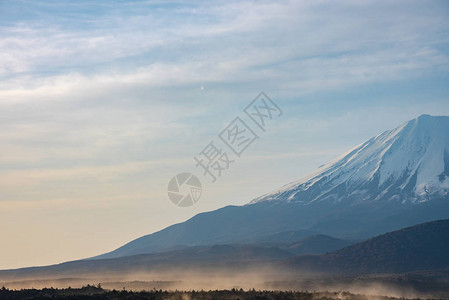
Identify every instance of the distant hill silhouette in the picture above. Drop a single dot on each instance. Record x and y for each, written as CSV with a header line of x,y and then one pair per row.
x,y
420,247
316,244
198,257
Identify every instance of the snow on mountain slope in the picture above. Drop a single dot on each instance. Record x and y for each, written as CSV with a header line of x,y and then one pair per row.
x,y
409,163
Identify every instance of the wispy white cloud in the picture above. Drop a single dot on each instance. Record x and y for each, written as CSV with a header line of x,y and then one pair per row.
x,y
291,42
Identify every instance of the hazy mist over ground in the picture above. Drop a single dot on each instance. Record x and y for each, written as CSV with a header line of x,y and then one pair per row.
x,y
259,279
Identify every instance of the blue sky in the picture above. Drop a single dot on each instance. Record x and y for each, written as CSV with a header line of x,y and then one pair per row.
x,y
101,104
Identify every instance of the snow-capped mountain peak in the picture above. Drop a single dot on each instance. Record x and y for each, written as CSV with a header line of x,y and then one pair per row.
x,y
409,163
396,179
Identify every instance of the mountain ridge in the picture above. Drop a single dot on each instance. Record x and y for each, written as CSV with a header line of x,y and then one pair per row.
x,y
421,247
379,163
395,179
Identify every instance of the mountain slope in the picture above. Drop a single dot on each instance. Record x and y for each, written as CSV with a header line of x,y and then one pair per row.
x,y
396,179
409,163
421,247
220,257
317,244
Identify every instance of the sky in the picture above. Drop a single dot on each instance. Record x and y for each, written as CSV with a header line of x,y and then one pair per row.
x,y
103,102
